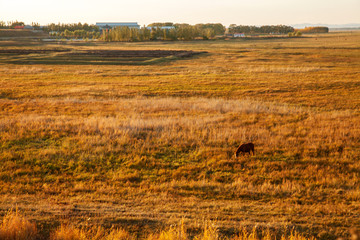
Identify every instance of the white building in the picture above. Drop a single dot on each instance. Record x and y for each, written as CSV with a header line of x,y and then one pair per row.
x,y
238,35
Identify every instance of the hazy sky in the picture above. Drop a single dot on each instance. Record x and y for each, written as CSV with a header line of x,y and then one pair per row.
x,y
254,12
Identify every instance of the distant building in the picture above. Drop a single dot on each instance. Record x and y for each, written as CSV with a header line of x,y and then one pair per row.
x,y
238,35
110,25
29,27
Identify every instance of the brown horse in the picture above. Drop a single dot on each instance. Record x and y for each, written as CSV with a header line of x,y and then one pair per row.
x,y
245,148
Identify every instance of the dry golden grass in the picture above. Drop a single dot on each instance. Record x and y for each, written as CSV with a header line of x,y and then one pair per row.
x,y
138,148
17,227
245,234
69,232
177,232
14,226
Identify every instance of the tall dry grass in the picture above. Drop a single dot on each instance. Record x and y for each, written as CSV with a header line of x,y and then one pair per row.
x,y
265,234
148,145
197,121
14,226
71,232
280,69
177,232
65,232
159,133
145,148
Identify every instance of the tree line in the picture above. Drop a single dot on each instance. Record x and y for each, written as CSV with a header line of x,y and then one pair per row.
x,y
61,27
78,34
157,31
314,30
11,24
218,28
15,24
170,31
266,29
73,30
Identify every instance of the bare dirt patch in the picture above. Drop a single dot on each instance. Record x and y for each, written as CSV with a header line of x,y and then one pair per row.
x,y
21,33
31,51
106,53
137,53
94,57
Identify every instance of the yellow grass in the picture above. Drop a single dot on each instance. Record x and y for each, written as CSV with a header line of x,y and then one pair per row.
x,y
135,149
16,227
70,232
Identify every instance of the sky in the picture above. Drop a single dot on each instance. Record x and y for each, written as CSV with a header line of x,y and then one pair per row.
x,y
240,12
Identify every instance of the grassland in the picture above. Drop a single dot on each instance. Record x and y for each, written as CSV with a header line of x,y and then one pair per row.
x,y
142,147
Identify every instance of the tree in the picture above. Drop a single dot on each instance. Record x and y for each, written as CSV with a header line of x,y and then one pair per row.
x,y
164,34
172,35
2,24
279,29
35,25
314,30
16,24
166,24
153,34
67,33
210,33
217,28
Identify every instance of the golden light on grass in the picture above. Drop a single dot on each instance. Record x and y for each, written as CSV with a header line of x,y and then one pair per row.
x,y
141,147
70,232
66,232
177,232
14,226
119,234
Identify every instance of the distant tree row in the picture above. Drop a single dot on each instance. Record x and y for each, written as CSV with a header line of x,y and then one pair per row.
x,y
76,34
15,24
314,30
217,28
125,34
156,31
158,24
61,27
268,29
295,34
11,25
160,31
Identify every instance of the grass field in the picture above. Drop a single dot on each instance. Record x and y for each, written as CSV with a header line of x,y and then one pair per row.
x,y
143,147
